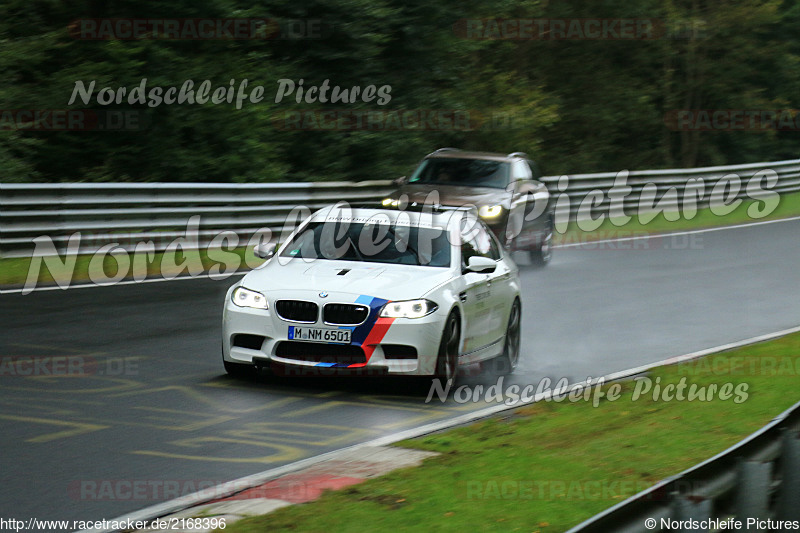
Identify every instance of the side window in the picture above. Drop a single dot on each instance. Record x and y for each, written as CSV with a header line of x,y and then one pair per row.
x,y
494,245
467,251
487,243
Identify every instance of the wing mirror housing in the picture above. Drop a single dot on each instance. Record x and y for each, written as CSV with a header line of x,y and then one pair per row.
x,y
481,265
265,250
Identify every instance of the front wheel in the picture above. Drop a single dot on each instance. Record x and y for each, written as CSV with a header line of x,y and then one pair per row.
x,y
447,359
238,370
542,254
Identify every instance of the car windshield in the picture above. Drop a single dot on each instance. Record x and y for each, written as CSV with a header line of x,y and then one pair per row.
x,y
371,242
470,172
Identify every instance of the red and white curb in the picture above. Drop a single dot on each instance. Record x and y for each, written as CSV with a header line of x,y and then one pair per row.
x,y
348,467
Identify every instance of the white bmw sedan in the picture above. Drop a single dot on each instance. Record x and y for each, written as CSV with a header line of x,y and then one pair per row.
x,y
377,291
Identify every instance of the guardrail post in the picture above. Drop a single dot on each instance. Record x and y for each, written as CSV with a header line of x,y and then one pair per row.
x,y
752,497
688,507
788,507
60,220
1,223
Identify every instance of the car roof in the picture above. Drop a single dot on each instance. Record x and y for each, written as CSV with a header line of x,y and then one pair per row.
x,y
455,153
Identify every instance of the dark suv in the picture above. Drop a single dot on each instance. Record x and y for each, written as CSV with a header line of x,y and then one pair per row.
x,y
504,188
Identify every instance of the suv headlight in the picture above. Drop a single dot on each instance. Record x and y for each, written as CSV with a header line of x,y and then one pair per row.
x,y
247,298
408,309
490,211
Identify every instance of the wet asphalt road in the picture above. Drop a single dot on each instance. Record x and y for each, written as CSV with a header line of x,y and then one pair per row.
x,y
145,412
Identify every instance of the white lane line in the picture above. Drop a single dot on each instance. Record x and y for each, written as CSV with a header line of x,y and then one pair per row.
x,y
676,233
226,489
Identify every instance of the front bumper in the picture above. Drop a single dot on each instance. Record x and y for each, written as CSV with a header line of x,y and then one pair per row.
x,y
397,346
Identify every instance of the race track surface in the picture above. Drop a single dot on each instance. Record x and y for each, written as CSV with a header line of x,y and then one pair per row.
x,y
147,413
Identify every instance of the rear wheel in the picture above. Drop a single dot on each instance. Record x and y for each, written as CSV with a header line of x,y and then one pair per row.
x,y
447,360
506,362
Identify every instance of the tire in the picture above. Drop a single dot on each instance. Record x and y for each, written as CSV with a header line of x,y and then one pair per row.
x,y
447,359
542,254
506,363
238,370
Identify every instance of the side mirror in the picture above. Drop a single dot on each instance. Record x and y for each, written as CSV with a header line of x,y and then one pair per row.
x,y
481,265
265,250
402,180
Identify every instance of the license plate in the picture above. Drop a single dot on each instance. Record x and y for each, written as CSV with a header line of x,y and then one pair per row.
x,y
337,336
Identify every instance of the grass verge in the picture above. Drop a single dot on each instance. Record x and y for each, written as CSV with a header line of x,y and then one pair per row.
x,y
548,466
15,271
788,206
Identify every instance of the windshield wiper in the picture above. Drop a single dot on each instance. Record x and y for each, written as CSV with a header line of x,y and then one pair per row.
x,y
408,245
355,249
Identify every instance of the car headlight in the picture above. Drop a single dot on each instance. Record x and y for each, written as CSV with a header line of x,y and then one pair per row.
x,y
390,202
247,298
490,211
408,309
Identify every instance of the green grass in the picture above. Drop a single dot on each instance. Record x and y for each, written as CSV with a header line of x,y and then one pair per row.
x,y
788,206
548,466
14,271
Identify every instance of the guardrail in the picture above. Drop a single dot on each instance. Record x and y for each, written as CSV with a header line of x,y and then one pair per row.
x,y
697,182
758,478
128,213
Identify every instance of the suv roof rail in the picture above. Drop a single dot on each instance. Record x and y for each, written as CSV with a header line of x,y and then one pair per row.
x,y
518,154
447,150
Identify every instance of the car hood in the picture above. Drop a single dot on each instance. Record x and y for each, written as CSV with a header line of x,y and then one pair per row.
x,y
456,195
390,282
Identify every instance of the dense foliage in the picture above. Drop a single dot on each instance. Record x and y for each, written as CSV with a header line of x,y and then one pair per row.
x,y
578,105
